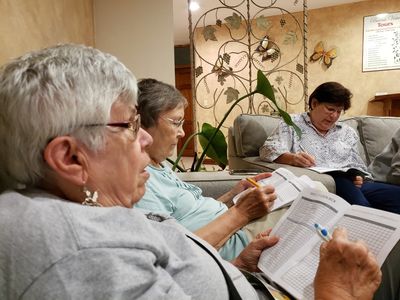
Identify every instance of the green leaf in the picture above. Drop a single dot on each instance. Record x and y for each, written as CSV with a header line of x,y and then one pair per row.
x,y
290,38
263,23
218,147
208,33
288,120
231,95
265,88
234,21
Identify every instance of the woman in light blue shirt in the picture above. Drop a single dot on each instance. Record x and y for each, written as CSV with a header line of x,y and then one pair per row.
x,y
161,107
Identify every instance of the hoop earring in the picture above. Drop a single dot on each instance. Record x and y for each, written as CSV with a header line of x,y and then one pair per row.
x,y
90,198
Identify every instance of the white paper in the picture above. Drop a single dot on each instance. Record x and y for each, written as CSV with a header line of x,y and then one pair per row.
x,y
293,262
287,186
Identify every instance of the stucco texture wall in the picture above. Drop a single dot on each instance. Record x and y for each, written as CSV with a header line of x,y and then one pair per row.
x,y
342,26
34,24
339,26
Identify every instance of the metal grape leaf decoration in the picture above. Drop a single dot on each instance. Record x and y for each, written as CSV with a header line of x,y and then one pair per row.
x,y
198,71
234,21
263,23
290,38
231,95
299,68
226,57
279,79
208,33
221,71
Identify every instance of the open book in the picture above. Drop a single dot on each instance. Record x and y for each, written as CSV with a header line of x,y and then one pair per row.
x,y
293,261
287,186
351,171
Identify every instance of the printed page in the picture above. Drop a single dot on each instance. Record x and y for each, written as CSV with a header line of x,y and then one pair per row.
x,y
379,229
286,192
298,237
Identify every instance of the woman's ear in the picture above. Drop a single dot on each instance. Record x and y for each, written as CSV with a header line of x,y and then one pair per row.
x,y
314,103
67,159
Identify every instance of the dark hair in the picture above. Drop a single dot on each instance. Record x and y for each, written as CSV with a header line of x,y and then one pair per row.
x,y
332,92
156,97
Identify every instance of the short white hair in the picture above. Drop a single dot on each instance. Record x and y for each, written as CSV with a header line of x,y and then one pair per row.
x,y
54,92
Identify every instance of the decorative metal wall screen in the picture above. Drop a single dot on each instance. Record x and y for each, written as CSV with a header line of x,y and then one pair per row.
x,y
233,40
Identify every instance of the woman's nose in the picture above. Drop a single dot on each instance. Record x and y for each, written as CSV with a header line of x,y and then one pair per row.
x,y
181,132
145,138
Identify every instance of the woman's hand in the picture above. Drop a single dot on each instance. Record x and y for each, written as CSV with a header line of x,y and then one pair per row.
x,y
299,159
358,181
248,258
243,184
255,203
347,270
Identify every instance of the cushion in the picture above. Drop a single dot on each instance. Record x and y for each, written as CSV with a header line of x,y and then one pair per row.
x,y
376,133
353,122
251,131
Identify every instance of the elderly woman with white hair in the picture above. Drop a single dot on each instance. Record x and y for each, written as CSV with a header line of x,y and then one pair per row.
x,y
72,165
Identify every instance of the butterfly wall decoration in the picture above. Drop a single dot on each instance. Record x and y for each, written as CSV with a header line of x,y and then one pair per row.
x,y
267,49
320,53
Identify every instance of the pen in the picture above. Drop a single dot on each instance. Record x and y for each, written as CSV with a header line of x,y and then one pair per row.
x,y
302,148
323,232
253,182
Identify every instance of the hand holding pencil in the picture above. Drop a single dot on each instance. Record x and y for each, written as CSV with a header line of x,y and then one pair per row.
x,y
255,202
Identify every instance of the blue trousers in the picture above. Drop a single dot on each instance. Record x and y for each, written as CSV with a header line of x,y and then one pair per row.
x,y
372,194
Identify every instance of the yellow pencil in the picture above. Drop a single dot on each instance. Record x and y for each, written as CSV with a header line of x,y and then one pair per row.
x,y
253,182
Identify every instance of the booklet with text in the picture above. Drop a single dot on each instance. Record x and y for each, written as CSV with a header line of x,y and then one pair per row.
x,y
293,261
287,186
350,171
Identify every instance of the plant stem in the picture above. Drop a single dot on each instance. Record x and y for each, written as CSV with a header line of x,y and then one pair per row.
x,y
177,166
182,150
200,160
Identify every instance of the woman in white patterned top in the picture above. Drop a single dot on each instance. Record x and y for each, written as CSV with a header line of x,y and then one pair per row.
x,y
327,143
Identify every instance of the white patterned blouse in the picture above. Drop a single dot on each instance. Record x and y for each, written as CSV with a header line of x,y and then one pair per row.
x,y
336,149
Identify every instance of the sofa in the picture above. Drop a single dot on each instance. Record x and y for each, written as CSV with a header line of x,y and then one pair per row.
x,y
249,132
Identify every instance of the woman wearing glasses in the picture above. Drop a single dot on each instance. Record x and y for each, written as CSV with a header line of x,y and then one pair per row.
x,y
162,110
327,143
72,164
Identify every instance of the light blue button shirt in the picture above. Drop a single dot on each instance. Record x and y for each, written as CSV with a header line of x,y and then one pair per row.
x,y
167,194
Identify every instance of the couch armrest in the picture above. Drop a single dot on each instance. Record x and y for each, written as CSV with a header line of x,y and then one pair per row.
x,y
213,184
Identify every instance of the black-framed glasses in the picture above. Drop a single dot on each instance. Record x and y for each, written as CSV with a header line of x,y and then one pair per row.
x,y
133,125
175,123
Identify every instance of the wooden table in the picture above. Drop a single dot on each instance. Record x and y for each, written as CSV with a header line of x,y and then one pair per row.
x,y
391,104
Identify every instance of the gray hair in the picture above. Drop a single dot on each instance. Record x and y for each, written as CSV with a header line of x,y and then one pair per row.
x,y
156,97
55,92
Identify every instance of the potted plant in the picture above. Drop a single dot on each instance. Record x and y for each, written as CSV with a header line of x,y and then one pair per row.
x,y
212,140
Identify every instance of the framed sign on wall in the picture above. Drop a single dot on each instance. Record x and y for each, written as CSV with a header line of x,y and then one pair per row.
x,y
381,42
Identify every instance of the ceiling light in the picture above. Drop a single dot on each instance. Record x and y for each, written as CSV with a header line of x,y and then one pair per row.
x,y
194,6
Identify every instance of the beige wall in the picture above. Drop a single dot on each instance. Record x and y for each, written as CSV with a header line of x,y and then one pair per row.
x,y
340,26
32,24
139,33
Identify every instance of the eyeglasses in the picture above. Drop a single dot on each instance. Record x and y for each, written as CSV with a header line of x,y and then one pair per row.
x,y
133,125
175,123
332,109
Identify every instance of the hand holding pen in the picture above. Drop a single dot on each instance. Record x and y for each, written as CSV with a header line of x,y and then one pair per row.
x,y
347,270
303,159
323,232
